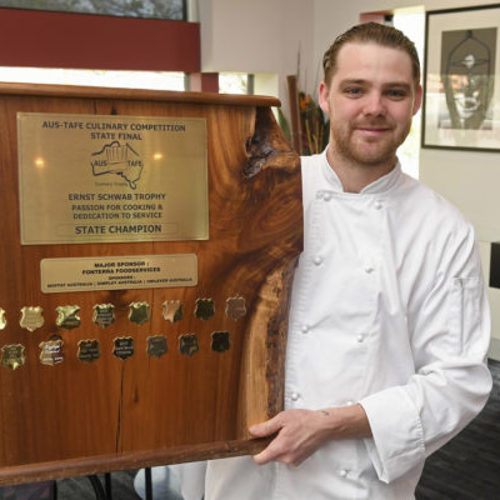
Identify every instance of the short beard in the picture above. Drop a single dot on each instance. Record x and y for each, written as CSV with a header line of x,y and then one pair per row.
x,y
342,146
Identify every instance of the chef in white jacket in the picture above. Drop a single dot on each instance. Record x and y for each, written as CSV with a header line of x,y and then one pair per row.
x,y
389,323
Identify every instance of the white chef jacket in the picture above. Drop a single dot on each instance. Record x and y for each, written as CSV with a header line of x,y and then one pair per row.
x,y
388,310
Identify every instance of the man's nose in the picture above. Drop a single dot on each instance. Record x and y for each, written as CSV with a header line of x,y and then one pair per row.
x,y
374,104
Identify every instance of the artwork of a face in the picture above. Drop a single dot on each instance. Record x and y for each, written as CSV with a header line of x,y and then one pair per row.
x,y
467,73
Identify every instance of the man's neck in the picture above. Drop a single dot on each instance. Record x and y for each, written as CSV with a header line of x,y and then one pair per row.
x,y
355,176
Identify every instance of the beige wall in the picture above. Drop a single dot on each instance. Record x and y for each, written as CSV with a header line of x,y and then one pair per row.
x,y
256,36
265,36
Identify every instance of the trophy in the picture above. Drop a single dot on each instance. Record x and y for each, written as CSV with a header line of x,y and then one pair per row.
x,y
148,245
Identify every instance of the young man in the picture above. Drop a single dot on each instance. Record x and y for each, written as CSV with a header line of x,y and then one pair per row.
x,y
389,324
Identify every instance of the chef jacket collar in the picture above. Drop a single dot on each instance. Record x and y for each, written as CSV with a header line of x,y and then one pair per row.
x,y
381,185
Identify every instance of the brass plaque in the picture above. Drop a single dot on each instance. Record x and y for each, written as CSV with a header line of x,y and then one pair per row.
x,y
13,356
88,350
88,178
31,318
104,315
118,272
68,317
220,341
3,319
172,310
236,307
123,347
204,309
157,346
139,312
52,351
188,344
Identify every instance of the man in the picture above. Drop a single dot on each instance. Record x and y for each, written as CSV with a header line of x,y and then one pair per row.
x,y
389,324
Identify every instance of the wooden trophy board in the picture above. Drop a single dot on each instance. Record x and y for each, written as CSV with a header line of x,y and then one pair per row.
x,y
173,361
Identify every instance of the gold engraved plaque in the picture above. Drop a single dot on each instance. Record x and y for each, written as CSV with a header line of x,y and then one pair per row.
x,y
31,318
13,356
88,350
3,319
172,311
88,178
139,312
123,347
51,352
118,273
68,317
157,346
235,307
104,315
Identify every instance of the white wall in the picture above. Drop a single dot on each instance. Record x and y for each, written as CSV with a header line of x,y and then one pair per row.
x,y
265,36
256,36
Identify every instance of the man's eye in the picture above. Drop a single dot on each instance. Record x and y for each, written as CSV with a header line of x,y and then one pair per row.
x,y
353,91
397,94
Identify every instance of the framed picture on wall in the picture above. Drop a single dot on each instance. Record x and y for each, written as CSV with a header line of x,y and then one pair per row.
x,y
461,108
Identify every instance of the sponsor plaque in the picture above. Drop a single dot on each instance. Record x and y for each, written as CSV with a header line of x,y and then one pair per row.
x,y
118,273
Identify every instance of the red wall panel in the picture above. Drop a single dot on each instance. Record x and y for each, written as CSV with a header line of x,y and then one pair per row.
x,y
64,40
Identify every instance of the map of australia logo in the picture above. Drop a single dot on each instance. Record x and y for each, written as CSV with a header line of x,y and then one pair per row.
x,y
118,159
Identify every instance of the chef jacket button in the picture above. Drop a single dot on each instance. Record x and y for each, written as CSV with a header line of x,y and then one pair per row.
x,y
305,328
318,260
360,338
327,196
344,472
378,205
295,396
369,269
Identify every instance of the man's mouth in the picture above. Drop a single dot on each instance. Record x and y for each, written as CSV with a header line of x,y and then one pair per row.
x,y
373,131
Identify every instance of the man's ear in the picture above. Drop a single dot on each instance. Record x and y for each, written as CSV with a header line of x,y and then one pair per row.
x,y
323,97
418,99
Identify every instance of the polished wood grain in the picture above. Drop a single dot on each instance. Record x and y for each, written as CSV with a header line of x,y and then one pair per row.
x,y
78,418
138,94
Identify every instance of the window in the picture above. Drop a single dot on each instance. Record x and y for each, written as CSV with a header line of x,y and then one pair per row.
x,y
154,80
235,83
411,22
159,9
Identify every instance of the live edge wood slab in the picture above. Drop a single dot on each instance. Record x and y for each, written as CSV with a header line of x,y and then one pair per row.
x,y
78,418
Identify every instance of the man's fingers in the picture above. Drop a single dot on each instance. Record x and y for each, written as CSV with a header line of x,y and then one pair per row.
x,y
261,458
266,428
276,451
266,455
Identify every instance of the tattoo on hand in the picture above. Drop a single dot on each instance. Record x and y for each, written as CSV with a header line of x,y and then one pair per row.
x,y
324,412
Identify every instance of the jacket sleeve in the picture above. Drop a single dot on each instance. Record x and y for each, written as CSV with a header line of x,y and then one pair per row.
x,y
449,328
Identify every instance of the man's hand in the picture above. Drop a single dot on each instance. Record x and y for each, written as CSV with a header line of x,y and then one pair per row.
x,y
302,432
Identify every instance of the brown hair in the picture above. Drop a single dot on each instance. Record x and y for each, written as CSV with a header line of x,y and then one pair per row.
x,y
371,33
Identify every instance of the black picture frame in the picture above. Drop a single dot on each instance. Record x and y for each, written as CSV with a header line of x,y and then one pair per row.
x,y
461,100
